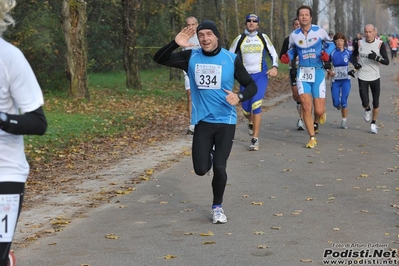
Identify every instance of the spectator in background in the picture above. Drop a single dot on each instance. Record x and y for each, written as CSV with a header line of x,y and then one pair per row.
x,y
393,44
190,22
350,44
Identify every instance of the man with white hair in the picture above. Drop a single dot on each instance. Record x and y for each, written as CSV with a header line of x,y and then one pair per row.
x,y
368,54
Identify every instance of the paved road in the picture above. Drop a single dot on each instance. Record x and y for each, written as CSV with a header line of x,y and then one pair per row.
x,y
286,205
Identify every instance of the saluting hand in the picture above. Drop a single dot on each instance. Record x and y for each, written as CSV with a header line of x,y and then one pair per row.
x,y
232,98
184,36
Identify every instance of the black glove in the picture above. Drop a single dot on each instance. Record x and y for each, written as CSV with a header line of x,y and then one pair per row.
x,y
357,66
352,73
327,65
374,56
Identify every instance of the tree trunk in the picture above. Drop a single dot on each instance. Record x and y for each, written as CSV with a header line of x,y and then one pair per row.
x,y
176,22
287,24
357,16
339,18
222,22
315,9
74,25
130,55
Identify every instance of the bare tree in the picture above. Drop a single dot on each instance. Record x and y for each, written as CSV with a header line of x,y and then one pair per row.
x,y
339,16
130,55
222,21
176,21
315,9
357,17
74,26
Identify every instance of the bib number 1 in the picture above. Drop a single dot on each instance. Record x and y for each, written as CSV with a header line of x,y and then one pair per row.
x,y
9,205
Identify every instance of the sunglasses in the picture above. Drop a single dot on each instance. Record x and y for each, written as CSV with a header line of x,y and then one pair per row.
x,y
252,20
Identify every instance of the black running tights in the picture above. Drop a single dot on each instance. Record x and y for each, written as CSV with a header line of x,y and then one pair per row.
x,y
364,92
207,135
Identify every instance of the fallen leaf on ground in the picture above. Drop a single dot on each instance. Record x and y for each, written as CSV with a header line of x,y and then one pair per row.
x,y
168,257
257,203
210,233
111,236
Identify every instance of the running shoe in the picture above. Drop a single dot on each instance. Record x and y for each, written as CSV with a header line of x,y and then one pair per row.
x,y
344,125
250,129
367,115
254,144
323,118
11,259
190,130
218,216
316,128
373,129
312,143
300,125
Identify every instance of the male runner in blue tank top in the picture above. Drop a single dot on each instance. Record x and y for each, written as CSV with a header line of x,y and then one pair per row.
x,y
212,71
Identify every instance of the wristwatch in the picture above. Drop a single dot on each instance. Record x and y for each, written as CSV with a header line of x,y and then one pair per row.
x,y
240,96
3,119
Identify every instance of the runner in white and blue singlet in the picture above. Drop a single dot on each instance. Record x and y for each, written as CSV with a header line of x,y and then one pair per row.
x,y
312,45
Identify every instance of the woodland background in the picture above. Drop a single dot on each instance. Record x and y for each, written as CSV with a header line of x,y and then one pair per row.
x,y
67,40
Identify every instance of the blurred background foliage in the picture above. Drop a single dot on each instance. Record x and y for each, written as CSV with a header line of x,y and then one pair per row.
x,y
38,31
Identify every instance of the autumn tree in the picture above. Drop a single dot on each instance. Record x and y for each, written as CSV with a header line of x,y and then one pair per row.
x,y
74,28
339,16
222,22
130,55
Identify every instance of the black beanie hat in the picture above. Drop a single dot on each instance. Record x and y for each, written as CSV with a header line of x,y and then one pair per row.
x,y
208,25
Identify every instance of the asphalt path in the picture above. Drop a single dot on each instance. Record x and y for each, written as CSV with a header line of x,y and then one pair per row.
x,y
285,204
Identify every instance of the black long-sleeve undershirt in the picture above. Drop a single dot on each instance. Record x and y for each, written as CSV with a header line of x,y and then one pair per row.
x,y
30,123
165,56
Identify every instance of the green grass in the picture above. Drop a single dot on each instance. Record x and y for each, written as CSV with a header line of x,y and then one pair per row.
x,y
112,110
